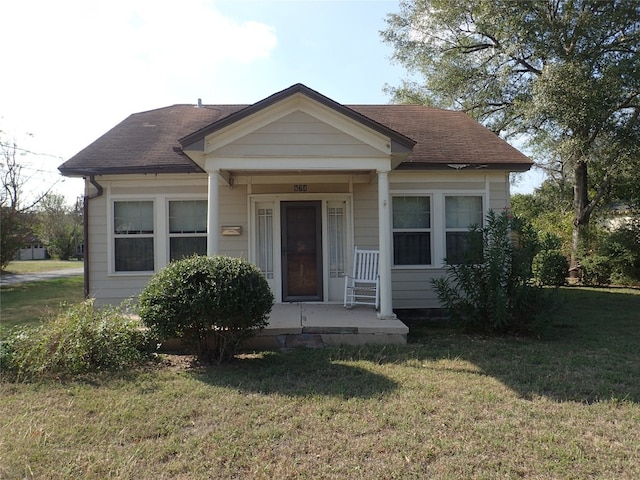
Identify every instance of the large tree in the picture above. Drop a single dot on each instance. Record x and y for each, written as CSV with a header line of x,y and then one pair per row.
x,y
563,74
15,222
16,210
59,226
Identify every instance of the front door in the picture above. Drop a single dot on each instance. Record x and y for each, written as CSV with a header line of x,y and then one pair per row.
x,y
301,224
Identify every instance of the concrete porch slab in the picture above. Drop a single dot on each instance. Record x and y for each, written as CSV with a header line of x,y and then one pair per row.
x,y
321,324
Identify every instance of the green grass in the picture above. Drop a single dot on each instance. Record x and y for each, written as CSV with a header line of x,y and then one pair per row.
x,y
27,303
447,406
39,266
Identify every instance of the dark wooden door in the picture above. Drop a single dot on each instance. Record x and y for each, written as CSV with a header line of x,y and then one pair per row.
x,y
301,224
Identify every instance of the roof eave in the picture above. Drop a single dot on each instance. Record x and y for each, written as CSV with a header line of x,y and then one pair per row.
x,y
464,167
84,172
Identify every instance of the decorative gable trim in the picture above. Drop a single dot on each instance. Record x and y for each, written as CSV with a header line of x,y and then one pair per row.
x,y
294,105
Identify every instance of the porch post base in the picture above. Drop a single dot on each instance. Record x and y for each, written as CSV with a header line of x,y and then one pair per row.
x,y
382,316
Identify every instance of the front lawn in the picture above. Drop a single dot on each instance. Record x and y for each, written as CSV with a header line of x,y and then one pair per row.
x,y
29,302
449,406
38,266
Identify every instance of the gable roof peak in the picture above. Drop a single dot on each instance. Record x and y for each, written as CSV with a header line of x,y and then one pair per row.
x,y
297,88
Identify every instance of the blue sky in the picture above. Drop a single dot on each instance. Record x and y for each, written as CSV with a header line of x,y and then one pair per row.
x,y
79,67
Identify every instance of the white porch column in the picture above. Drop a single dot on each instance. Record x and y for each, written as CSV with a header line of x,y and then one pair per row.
x,y
384,239
213,227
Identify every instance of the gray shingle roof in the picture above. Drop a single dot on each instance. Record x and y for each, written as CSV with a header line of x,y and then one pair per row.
x,y
150,142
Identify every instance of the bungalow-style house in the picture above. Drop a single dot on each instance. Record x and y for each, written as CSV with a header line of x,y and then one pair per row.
x,y
292,183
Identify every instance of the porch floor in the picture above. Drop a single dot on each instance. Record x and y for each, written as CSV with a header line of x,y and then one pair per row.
x,y
320,324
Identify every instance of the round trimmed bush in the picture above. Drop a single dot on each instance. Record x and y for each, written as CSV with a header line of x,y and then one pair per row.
x,y
211,303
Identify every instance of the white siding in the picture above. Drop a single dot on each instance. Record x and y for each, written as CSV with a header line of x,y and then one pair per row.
x,y
499,195
430,186
297,135
97,243
104,288
413,289
233,212
109,288
412,286
365,215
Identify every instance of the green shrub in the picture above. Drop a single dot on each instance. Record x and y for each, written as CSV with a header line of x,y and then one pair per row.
x,y
80,339
595,270
495,294
622,247
210,303
549,241
614,256
550,267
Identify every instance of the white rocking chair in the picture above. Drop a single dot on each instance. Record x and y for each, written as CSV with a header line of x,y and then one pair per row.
x,y
363,286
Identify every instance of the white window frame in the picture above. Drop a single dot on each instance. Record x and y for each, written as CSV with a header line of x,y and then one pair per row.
x,y
428,230
268,265
113,236
460,229
160,229
180,235
335,244
438,232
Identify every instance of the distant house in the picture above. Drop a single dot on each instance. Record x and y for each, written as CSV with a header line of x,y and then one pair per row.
x,y
616,216
292,183
34,249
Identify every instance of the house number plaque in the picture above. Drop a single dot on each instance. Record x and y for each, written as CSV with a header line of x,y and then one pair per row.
x,y
299,188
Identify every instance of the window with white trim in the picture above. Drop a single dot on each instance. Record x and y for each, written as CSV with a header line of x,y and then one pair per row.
x,y
133,236
461,213
336,216
412,230
187,228
265,240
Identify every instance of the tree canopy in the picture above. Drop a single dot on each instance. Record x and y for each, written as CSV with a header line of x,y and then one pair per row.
x,y
562,73
43,214
59,226
15,221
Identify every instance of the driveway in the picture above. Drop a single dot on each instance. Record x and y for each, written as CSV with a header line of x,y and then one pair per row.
x,y
13,278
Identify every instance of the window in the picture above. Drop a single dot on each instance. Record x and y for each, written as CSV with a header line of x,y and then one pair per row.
x,y
133,236
336,231
265,241
412,230
461,212
187,228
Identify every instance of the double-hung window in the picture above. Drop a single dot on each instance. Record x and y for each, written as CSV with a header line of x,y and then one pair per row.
x,y
133,236
187,228
461,213
412,230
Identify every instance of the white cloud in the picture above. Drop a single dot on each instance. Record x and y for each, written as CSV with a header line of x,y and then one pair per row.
x,y
75,68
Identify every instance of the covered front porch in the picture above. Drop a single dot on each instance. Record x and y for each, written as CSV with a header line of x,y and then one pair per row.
x,y
320,324
315,176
